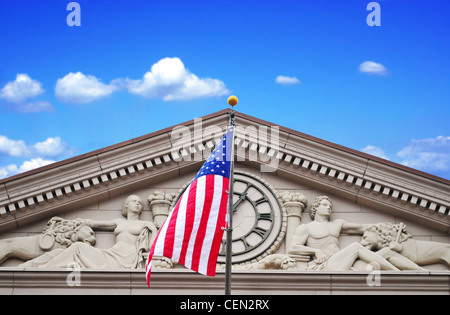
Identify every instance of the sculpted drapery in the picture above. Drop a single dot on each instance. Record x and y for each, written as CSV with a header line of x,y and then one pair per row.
x,y
311,246
133,238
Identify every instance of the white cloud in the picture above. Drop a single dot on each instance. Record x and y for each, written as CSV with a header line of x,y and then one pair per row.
x,y
371,67
430,154
36,155
28,165
80,88
170,80
51,147
376,151
35,107
34,163
285,80
21,88
4,172
9,170
15,148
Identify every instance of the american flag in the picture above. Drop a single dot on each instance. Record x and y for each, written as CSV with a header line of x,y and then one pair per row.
x,y
192,233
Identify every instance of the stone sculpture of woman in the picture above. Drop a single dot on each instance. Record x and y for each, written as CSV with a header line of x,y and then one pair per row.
x,y
133,238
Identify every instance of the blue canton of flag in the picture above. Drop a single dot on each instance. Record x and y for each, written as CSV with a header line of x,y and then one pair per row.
x,y
219,162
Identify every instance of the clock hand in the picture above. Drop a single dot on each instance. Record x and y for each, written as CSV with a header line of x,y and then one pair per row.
x,y
242,197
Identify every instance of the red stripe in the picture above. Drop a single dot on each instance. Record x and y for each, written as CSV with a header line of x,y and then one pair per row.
x,y
149,259
170,234
152,252
209,194
190,215
217,241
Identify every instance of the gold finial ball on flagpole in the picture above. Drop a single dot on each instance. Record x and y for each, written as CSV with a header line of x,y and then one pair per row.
x,y
232,100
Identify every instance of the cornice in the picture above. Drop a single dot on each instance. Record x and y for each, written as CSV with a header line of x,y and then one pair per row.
x,y
362,178
154,157
344,149
99,174
180,281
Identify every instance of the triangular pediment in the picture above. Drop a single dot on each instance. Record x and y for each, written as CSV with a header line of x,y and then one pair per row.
x,y
286,160
174,151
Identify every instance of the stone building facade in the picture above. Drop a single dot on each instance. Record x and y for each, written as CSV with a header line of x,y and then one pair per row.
x,y
279,175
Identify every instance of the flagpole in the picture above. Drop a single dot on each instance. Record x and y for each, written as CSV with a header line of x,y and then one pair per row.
x,y
232,100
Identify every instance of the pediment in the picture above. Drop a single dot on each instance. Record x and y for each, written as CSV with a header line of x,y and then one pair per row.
x,y
102,174
365,188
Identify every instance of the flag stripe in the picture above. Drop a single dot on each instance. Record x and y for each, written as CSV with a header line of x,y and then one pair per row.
x,y
180,224
170,233
200,201
215,246
158,243
211,225
209,193
190,217
192,233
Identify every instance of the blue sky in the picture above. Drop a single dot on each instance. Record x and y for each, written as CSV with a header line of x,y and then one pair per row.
x,y
134,67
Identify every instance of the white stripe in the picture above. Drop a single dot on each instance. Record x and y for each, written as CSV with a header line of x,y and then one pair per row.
x,y
199,202
180,225
211,225
159,247
148,268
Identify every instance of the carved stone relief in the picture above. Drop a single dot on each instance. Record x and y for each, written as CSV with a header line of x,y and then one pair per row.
x,y
392,242
384,245
160,204
66,242
59,234
311,246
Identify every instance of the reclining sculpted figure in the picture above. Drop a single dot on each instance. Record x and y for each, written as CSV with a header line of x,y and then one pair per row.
x,y
319,239
133,239
58,234
392,242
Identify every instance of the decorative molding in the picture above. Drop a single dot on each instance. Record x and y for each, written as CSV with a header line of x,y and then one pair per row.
x,y
103,173
359,178
32,281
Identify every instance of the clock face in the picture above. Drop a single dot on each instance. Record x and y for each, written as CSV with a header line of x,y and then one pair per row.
x,y
259,220
258,227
